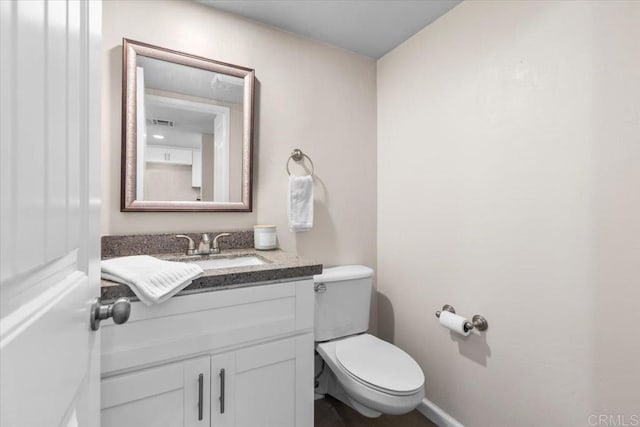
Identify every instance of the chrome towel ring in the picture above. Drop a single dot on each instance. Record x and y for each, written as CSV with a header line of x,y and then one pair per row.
x,y
297,155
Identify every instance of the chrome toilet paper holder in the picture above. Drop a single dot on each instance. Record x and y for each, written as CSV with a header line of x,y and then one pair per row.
x,y
478,322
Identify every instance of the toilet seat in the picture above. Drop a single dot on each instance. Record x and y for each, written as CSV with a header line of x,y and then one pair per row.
x,y
379,365
364,376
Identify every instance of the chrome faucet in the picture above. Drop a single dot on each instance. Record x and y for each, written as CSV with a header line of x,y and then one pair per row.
x,y
205,247
216,249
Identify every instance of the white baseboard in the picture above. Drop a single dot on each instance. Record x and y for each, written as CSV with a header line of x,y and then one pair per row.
x,y
437,415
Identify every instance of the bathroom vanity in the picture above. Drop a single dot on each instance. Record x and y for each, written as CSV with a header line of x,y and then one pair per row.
x,y
233,349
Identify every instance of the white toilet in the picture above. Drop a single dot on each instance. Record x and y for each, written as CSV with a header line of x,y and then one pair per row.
x,y
368,374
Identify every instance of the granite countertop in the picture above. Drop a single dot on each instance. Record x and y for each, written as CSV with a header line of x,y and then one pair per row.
x,y
279,265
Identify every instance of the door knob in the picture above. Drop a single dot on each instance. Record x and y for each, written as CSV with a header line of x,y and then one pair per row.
x,y
119,310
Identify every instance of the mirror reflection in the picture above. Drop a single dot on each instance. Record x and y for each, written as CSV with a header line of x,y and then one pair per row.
x,y
189,133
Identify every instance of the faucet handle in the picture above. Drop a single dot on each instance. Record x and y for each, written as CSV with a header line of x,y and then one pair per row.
x,y
205,237
215,249
215,239
191,249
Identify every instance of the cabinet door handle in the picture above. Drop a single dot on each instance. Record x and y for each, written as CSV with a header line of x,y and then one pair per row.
x,y
222,391
200,395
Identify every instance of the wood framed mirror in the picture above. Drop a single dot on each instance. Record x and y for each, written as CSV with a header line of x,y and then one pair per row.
x,y
187,132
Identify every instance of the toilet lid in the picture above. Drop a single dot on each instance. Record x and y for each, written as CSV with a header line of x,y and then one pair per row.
x,y
379,363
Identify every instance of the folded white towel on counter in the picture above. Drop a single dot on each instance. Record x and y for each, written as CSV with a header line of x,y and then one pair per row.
x,y
152,280
300,203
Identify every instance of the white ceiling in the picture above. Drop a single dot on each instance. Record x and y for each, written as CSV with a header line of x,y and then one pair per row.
x,y
367,27
172,137
178,78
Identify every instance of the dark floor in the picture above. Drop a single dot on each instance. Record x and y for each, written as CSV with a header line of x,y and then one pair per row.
x,y
330,412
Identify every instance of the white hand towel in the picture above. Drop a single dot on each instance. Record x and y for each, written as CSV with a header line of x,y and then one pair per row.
x,y
152,280
300,203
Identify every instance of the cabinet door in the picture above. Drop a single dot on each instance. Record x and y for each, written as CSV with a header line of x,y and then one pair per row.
x,y
179,157
177,394
267,385
155,154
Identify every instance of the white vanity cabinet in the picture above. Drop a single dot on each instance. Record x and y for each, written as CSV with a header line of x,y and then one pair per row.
x,y
252,345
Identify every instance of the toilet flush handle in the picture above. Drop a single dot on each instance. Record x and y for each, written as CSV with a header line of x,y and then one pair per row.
x,y
320,287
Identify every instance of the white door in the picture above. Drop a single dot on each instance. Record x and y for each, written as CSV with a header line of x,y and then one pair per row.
x,y
49,212
196,169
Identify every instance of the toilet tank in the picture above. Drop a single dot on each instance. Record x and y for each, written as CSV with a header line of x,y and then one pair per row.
x,y
342,300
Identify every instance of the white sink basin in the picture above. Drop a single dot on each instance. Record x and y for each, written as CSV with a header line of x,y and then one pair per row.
x,y
243,261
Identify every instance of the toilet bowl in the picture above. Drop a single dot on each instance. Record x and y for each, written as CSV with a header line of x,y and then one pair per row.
x,y
373,376
364,372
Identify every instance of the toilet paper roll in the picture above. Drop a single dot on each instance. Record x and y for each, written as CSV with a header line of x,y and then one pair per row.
x,y
454,322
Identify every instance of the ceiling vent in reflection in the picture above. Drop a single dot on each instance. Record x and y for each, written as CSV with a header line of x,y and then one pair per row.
x,y
160,122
